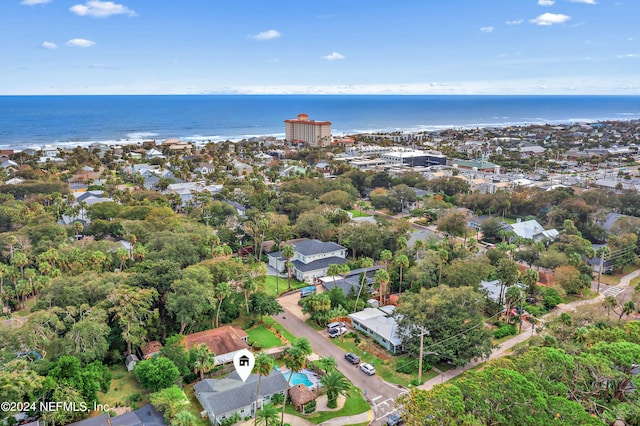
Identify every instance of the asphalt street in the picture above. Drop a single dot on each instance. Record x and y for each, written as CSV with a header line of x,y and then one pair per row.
x,y
380,395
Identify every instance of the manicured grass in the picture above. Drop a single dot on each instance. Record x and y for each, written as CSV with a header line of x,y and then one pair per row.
x,y
634,282
614,279
194,407
313,325
359,424
272,281
265,338
588,294
123,385
290,337
358,213
386,369
354,404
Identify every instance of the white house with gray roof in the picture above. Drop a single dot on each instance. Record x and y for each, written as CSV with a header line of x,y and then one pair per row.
x,y
222,398
311,259
379,324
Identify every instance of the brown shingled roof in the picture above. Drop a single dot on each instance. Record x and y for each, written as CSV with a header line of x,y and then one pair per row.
x,y
221,340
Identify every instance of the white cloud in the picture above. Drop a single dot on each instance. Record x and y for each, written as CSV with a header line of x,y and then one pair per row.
x,y
515,22
48,45
546,2
584,1
547,19
334,56
487,29
79,42
628,55
33,2
101,9
266,35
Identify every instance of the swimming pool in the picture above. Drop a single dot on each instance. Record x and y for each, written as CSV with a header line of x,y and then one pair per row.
x,y
298,377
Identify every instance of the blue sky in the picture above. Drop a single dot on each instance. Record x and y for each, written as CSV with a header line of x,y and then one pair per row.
x,y
329,46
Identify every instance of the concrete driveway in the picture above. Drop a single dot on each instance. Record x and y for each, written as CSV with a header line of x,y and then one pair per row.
x,y
380,394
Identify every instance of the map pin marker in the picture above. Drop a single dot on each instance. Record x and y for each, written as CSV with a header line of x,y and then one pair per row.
x,y
244,361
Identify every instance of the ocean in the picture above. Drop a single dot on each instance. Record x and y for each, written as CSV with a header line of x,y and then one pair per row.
x,y
32,121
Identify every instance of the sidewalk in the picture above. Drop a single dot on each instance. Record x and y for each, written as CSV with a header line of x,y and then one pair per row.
x,y
504,348
498,352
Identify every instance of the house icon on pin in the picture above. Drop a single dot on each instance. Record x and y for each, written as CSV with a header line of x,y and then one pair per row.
x,y
244,361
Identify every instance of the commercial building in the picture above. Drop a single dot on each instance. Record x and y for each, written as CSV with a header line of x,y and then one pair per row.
x,y
415,158
310,132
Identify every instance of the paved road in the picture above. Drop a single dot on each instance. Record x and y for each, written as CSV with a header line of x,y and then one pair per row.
x,y
380,394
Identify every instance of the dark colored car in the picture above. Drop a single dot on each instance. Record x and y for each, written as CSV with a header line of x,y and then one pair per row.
x,y
352,358
394,420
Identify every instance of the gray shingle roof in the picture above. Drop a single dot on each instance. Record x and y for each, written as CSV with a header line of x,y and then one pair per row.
x,y
220,396
318,264
311,247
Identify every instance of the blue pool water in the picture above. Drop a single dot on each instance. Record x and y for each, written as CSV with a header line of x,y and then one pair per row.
x,y
297,378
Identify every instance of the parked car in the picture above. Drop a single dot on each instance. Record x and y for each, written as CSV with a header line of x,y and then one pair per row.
x,y
337,331
368,369
394,419
307,291
352,358
335,324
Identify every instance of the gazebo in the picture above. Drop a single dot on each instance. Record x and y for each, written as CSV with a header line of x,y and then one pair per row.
x,y
300,396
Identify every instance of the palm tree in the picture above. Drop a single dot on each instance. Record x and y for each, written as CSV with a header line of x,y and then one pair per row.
x,y
366,263
205,360
444,256
267,415
403,262
326,363
335,384
382,279
385,257
221,292
288,253
263,366
333,270
295,360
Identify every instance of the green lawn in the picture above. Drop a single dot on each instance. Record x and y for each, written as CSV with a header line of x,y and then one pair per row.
x,y
194,407
354,404
264,337
588,294
614,279
271,282
290,337
358,213
386,369
124,385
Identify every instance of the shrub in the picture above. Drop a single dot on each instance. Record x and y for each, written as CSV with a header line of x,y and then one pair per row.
x,y
350,335
277,399
309,407
415,382
505,330
408,368
356,340
551,298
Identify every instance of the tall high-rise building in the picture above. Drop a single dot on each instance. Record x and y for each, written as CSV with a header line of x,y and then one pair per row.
x,y
303,130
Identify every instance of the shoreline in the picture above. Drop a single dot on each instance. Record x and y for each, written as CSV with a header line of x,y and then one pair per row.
x,y
199,141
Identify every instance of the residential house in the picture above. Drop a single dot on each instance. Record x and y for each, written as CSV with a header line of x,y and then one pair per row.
x,y
145,416
225,397
223,341
380,325
532,230
311,260
150,349
351,281
186,190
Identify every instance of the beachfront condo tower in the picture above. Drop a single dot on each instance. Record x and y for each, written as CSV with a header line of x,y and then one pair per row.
x,y
310,132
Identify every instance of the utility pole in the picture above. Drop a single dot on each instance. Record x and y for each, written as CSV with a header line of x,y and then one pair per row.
x,y
422,333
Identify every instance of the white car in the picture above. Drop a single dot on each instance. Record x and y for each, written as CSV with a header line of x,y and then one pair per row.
x,y
368,369
337,331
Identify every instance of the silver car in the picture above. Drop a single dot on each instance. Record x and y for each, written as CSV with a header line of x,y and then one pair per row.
x,y
368,369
